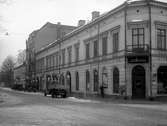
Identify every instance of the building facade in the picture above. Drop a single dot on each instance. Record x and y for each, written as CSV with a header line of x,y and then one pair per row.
x,y
20,75
124,51
38,39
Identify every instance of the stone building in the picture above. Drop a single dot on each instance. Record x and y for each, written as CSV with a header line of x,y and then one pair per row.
x,y
39,39
123,50
20,74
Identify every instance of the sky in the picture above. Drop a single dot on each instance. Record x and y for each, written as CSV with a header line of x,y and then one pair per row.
x,y
18,18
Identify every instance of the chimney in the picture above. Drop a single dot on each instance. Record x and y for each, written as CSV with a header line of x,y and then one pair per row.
x,y
59,23
81,23
95,14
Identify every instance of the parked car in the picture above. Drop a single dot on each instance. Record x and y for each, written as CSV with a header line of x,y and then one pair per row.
x,y
55,90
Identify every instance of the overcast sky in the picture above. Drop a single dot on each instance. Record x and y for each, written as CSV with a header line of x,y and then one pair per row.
x,y
20,17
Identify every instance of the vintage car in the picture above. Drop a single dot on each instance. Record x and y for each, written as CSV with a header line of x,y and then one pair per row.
x,y
55,89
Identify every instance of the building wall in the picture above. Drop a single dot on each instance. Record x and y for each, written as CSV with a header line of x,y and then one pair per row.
x,y
49,33
137,16
20,72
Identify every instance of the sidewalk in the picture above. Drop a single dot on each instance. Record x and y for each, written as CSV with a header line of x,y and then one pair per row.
x,y
24,92
96,99
118,100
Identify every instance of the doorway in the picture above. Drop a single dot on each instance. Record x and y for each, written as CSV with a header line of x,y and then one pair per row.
x,y
162,80
138,82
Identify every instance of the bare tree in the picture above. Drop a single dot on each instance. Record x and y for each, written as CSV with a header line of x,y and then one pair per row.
x,y
7,70
21,57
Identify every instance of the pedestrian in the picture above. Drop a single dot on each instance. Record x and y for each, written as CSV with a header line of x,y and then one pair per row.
x,y
102,91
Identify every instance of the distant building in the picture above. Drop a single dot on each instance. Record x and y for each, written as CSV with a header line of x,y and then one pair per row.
x,y
20,75
39,39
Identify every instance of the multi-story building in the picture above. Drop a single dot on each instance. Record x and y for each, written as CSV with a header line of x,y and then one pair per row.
x,y
123,50
39,39
20,74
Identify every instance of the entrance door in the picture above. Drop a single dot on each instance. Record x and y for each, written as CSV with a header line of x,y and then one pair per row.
x,y
138,82
162,80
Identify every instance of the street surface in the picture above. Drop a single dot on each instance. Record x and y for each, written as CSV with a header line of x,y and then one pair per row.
x,y
26,109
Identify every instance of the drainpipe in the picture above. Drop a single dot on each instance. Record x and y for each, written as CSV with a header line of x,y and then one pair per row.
x,y
59,54
125,23
150,47
98,38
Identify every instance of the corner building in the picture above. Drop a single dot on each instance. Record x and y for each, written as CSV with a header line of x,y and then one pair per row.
x,y
124,50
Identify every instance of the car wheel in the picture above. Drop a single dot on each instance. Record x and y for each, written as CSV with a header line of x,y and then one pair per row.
x,y
64,96
45,94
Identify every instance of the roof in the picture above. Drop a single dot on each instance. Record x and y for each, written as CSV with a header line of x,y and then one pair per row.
x,y
100,18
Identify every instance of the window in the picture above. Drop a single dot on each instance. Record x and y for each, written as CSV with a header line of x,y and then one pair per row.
x,y
52,61
95,48
162,80
87,81
47,62
69,54
87,51
115,41
161,38
77,81
115,80
63,56
96,80
137,36
104,45
57,59
76,52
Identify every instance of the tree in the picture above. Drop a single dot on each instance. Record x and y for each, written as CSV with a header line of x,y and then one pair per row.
x,y
7,70
21,57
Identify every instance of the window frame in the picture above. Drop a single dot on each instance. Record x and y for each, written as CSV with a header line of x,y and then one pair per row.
x,y
115,41
162,37
87,49
104,45
95,48
137,35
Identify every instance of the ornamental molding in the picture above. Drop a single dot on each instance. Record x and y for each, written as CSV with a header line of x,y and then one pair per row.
x,y
76,45
138,24
159,24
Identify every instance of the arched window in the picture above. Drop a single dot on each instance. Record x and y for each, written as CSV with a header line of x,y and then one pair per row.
x,y
115,80
87,80
77,81
96,80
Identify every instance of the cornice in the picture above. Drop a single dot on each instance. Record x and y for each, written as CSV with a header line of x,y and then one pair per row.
x,y
105,16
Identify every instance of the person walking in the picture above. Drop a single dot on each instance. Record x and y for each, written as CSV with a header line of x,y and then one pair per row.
x,y
102,91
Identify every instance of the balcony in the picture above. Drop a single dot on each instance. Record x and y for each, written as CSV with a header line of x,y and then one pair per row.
x,y
137,50
137,53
